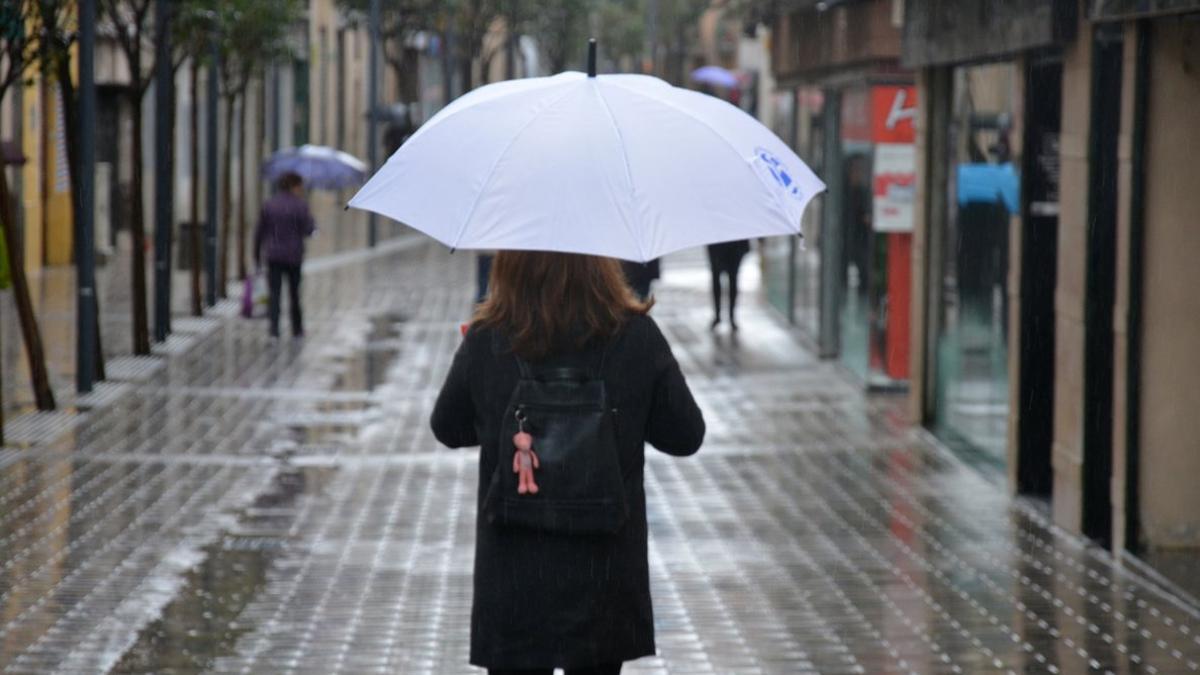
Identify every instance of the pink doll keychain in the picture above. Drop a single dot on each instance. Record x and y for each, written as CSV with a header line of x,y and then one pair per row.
x,y
525,460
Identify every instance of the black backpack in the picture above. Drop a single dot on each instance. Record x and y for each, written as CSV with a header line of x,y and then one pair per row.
x,y
581,489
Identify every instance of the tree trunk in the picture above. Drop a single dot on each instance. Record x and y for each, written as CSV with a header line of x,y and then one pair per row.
x,y
1,379
401,94
34,352
141,325
197,243
447,70
680,54
467,69
241,210
510,47
226,202
262,143
101,373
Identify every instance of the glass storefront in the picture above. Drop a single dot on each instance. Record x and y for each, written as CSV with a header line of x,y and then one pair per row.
x,y
983,198
810,145
859,281
775,251
792,270
877,180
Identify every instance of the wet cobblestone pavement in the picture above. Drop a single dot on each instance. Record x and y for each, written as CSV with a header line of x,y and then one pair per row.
x,y
249,507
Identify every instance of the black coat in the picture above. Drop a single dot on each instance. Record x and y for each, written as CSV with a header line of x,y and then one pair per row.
x,y
727,255
544,600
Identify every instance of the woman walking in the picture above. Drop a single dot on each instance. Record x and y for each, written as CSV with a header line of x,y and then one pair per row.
x,y
283,226
563,369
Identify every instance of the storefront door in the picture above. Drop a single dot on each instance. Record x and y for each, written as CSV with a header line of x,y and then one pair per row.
x,y
1101,284
1039,277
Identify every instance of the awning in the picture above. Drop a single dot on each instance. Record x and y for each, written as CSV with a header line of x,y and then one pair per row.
x,y
1114,10
943,32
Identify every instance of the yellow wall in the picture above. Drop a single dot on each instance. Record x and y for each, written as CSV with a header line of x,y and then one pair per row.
x,y
46,191
31,184
59,223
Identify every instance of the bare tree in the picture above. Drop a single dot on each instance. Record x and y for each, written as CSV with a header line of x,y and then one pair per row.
x,y
400,22
18,47
472,19
252,34
129,25
192,32
561,28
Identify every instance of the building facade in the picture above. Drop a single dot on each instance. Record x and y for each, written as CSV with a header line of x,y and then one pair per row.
x,y
1054,308
31,124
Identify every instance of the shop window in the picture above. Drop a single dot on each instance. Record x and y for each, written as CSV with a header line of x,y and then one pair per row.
x,y
792,267
983,199
775,250
877,183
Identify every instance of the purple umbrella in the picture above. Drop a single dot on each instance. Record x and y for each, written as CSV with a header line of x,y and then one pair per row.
x,y
321,167
715,76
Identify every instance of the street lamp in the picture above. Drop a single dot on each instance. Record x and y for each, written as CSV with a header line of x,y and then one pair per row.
x,y
164,100
85,247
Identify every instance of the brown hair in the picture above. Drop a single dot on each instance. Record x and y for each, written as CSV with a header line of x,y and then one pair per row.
x,y
550,302
290,181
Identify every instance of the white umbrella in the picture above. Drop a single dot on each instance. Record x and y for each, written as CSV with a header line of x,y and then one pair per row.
x,y
624,166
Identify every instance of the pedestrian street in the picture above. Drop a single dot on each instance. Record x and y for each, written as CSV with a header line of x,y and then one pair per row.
x,y
259,507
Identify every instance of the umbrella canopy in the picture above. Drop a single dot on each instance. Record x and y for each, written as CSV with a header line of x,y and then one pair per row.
x,y
10,153
624,166
321,167
715,76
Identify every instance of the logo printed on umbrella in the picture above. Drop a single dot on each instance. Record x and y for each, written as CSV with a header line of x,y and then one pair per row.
x,y
779,172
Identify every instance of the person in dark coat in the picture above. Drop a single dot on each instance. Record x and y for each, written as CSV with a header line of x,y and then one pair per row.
x,y
726,259
542,600
283,225
640,276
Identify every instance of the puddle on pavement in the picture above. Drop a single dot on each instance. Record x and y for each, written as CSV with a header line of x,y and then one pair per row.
x,y
367,367
333,421
201,623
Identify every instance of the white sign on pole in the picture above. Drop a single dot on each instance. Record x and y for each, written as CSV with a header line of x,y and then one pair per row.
x,y
894,185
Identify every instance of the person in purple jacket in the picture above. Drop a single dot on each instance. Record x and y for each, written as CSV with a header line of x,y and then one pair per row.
x,y
283,225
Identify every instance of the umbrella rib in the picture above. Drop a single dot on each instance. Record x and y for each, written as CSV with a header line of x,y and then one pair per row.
x,y
776,197
628,173
500,157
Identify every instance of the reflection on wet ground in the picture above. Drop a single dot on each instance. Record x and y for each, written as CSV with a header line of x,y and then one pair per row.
x,y
261,508
202,622
98,529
